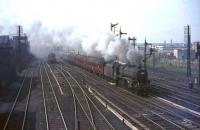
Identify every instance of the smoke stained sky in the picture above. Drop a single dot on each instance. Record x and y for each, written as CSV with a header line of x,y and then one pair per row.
x,y
158,20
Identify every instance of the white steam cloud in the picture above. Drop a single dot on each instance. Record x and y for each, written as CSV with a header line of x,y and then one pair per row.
x,y
44,40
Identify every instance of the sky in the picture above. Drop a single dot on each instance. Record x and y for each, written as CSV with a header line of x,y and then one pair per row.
x,y
157,20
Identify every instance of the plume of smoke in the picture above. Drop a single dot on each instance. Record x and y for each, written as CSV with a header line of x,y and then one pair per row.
x,y
108,46
134,56
1,29
8,30
44,40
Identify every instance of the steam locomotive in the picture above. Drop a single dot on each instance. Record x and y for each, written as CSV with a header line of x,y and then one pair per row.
x,y
51,58
131,77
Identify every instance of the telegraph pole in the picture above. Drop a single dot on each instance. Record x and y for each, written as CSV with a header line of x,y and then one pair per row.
x,y
19,48
187,35
198,54
154,61
199,63
147,54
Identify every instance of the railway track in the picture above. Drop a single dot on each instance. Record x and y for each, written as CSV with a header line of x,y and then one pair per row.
x,y
167,116
88,114
177,86
82,107
17,117
146,116
78,117
53,115
180,98
181,117
174,90
65,98
175,80
171,75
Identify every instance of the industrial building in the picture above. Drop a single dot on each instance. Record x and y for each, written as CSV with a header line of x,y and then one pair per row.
x,y
14,55
181,54
7,59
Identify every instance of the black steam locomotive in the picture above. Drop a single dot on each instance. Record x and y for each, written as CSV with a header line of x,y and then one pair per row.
x,y
132,77
52,58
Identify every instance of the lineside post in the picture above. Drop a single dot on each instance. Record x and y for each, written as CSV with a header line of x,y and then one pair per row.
x,y
187,36
198,54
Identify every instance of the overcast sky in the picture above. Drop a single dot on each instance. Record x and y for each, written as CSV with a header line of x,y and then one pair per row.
x,y
157,20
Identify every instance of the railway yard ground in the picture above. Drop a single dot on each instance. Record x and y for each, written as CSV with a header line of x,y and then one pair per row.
x,y
61,96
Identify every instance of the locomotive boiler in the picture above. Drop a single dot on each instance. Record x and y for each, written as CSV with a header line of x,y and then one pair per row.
x,y
131,77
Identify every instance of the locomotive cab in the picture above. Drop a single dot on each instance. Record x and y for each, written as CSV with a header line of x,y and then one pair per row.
x,y
116,72
52,58
143,82
142,75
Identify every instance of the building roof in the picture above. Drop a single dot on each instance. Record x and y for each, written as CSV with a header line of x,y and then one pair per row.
x,y
22,37
4,39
